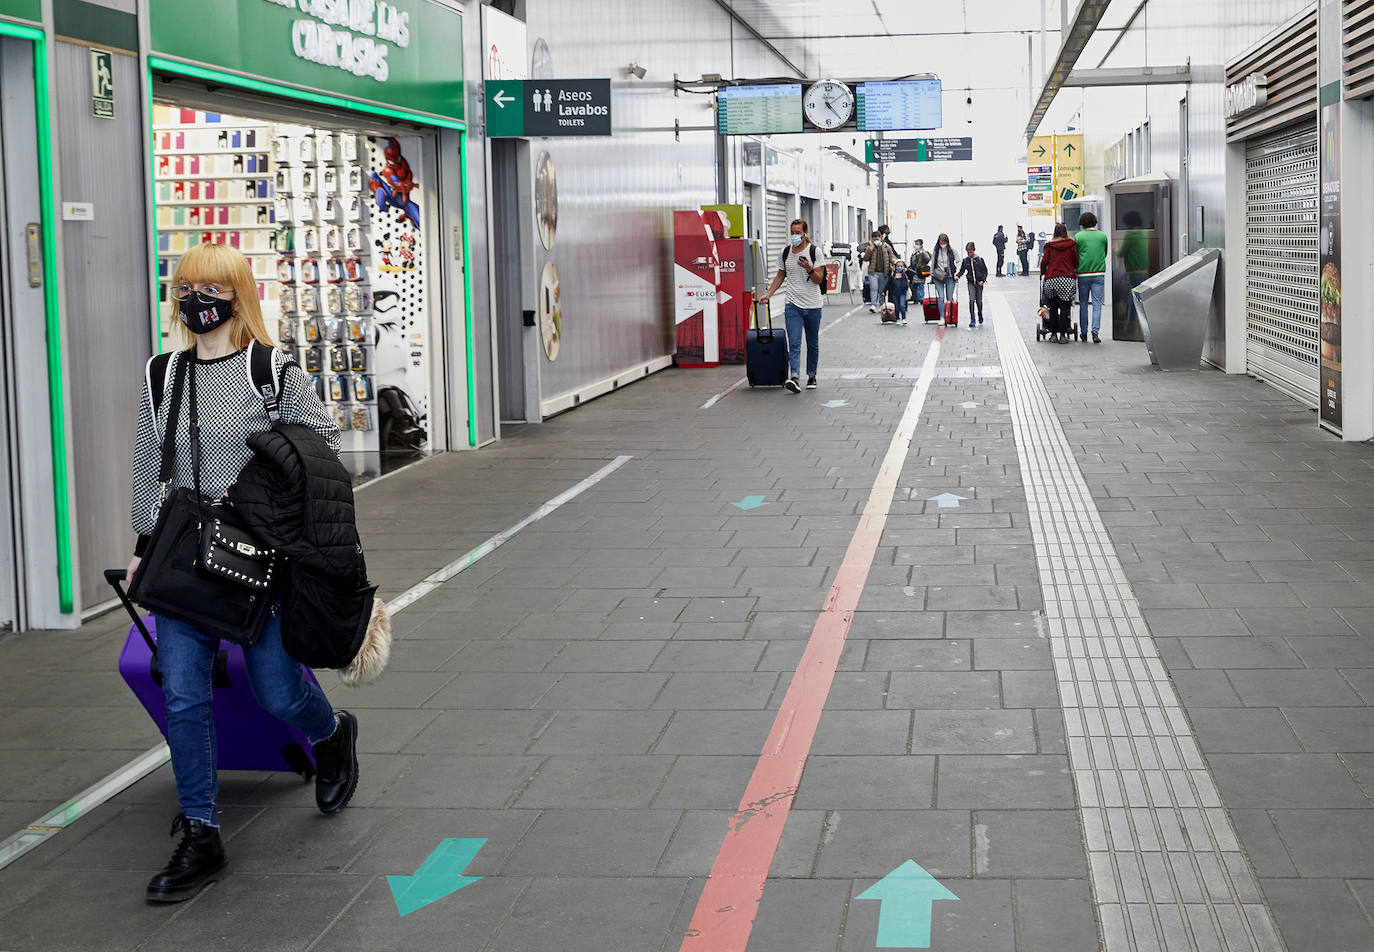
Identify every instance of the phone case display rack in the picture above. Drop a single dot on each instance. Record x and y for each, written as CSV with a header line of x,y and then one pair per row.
x,y
294,200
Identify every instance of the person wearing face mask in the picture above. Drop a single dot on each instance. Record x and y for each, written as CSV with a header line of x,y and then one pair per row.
x,y
944,266
803,277
217,321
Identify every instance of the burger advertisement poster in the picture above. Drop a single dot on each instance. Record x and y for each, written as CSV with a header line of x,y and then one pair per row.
x,y
1329,259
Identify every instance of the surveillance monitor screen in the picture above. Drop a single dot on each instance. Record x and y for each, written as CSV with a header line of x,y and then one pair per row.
x,y
759,110
1134,210
902,104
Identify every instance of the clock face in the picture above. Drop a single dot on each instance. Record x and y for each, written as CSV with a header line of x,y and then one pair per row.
x,y
828,104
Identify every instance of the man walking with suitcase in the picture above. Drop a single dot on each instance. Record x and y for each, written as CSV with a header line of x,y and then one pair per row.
x,y
803,277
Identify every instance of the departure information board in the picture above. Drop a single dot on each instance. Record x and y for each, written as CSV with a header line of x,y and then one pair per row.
x,y
759,110
903,104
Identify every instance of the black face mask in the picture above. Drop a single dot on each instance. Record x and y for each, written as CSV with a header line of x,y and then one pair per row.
x,y
201,318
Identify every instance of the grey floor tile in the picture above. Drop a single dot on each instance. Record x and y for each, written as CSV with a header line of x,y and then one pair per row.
x,y
582,781
1319,915
569,914
1273,781
1282,688
1043,844
874,732
1243,730
794,913
866,783
934,655
593,843
971,690
990,782
871,843
1333,729
1054,916
617,732
973,732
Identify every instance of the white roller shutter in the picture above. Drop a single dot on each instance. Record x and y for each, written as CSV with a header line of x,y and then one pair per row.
x,y
779,215
1282,306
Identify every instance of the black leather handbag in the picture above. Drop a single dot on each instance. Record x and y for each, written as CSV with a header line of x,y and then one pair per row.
x,y
201,566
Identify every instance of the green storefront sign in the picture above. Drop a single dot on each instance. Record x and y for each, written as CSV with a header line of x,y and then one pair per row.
x,y
406,54
22,9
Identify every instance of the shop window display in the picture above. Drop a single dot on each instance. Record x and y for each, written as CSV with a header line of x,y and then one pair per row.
x,y
330,220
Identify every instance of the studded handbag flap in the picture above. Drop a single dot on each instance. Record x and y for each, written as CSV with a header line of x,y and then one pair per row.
x,y
230,552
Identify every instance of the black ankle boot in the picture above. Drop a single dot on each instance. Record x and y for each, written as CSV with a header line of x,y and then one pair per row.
x,y
196,860
336,765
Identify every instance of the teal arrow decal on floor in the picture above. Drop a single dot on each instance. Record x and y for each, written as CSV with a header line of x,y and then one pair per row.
x,y
947,500
907,894
749,502
439,876
969,405
832,404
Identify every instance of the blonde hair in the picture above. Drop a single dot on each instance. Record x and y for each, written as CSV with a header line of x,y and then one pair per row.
x,y
224,265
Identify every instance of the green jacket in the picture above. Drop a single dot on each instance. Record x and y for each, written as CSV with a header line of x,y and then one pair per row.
x,y
1092,252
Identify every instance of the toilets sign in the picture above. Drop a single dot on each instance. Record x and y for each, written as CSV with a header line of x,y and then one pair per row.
x,y
531,108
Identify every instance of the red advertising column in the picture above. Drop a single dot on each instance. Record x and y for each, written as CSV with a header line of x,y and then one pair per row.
x,y
732,300
696,275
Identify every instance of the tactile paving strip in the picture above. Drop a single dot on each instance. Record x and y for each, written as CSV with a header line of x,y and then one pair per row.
x,y
1167,871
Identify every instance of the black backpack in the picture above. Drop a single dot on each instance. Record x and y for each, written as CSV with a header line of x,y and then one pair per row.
x,y
400,421
824,285
259,372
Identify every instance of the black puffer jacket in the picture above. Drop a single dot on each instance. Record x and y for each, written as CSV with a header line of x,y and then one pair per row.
x,y
297,497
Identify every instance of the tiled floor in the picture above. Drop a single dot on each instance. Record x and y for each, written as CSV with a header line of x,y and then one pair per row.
x,y
592,696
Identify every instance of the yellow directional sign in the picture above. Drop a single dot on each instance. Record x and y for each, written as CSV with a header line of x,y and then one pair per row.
x,y
1040,151
1068,168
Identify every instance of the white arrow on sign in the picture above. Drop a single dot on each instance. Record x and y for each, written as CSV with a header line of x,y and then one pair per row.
x,y
501,98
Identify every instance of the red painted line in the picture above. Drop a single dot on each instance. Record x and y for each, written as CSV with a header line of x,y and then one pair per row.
x,y
729,903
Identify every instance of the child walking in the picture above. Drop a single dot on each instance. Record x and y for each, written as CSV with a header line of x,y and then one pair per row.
x,y
898,291
977,270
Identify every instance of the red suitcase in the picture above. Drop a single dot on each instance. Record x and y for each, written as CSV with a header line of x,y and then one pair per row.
x,y
930,309
952,313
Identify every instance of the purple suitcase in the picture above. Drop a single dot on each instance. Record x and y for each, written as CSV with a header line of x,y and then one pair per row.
x,y
249,738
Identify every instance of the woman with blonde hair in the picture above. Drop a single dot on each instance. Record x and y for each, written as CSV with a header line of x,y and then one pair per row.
x,y
218,321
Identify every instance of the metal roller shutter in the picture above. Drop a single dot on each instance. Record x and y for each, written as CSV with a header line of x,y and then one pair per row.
x,y
778,208
1282,306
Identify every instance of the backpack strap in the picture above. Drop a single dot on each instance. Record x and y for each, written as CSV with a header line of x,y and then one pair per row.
x,y
261,380
155,377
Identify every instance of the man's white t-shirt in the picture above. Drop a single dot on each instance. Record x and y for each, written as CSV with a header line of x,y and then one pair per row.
x,y
801,289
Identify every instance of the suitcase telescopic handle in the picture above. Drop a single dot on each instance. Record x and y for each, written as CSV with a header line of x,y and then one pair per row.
x,y
116,579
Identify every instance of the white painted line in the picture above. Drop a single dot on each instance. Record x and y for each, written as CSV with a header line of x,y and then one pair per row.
x,y
724,393
83,803
418,591
849,313
138,768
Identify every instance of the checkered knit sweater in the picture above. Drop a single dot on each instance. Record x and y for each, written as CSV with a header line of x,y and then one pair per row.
x,y
230,411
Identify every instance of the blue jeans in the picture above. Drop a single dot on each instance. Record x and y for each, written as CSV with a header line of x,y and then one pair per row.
x,y
186,658
1090,286
946,290
801,319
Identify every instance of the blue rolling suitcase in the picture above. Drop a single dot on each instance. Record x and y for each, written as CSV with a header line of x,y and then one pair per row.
x,y
765,353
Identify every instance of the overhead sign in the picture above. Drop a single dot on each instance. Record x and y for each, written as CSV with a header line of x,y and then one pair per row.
x,y
403,53
1040,151
102,84
1250,93
894,106
919,150
1068,166
774,108
504,40
531,108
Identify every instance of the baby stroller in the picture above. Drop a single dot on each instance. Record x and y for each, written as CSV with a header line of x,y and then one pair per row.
x,y
1046,330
